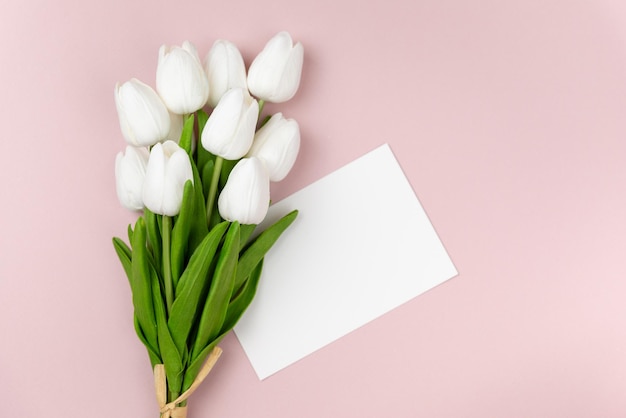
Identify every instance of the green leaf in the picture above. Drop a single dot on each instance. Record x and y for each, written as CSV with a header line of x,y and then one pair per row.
x,y
192,286
198,228
202,119
246,232
153,229
241,301
215,216
180,232
141,284
207,176
220,291
207,173
194,367
261,245
227,167
130,233
204,156
125,256
153,352
235,310
169,353
187,134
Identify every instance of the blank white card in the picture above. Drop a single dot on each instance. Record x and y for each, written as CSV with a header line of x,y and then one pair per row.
x,y
361,246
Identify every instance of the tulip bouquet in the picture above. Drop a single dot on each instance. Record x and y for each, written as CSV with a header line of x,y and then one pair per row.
x,y
199,164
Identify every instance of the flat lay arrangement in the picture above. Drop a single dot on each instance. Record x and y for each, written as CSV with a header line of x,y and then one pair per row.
x,y
288,209
202,181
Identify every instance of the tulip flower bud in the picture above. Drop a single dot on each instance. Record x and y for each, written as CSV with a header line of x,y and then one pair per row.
x,y
144,119
246,196
274,75
230,129
180,79
130,172
225,70
166,173
277,144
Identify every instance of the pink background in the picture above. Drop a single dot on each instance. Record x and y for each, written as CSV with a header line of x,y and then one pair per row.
x,y
509,118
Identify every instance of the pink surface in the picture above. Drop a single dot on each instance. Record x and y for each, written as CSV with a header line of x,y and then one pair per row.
x,y
507,117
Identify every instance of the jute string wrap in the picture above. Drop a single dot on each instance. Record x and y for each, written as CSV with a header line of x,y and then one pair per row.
x,y
172,410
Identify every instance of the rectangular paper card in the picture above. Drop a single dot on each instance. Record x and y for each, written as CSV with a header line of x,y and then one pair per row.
x,y
361,246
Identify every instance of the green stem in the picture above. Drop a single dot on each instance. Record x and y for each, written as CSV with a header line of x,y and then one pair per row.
x,y
173,396
217,170
166,233
261,105
196,134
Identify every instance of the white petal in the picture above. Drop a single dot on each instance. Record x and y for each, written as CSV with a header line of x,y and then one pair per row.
x,y
181,80
225,70
124,125
277,144
130,170
120,186
220,130
290,78
143,116
266,71
154,182
244,135
245,197
191,49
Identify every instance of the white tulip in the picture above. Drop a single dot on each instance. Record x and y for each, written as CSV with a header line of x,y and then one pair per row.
x,y
277,144
274,75
144,119
130,172
225,70
230,129
180,79
166,173
246,195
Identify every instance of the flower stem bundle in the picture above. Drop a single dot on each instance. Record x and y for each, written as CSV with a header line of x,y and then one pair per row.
x,y
201,177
